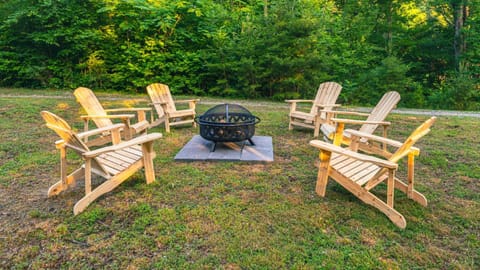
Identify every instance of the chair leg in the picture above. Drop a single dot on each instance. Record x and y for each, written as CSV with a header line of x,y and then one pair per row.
x,y
390,187
389,211
70,181
415,195
370,199
65,181
148,154
316,123
322,177
106,186
167,125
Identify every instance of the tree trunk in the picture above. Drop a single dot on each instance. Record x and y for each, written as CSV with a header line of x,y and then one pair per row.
x,y
460,9
265,8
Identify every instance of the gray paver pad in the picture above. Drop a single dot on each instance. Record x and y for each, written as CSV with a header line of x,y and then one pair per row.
x,y
200,149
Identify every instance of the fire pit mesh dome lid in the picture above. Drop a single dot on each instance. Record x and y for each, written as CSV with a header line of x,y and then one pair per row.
x,y
228,113
227,108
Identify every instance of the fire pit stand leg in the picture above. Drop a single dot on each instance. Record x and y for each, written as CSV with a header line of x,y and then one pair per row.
x,y
214,146
251,142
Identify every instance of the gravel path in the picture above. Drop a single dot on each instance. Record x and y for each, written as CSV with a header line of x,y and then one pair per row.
x,y
212,101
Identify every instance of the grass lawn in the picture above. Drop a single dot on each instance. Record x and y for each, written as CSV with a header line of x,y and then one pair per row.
x,y
231,215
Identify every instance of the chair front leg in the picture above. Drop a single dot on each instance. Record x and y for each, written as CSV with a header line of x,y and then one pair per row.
x,y
148,155
88,176
141,116
317,123
127,130
323,171
410,174
65,181
390,187
339,134
167,123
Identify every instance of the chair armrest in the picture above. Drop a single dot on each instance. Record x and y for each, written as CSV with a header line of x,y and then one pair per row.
x,y
298,100
359,122
323,146
116,147
346,113
94,132
122,116
394,143
128,109
100,130
186,100
374,137
327,105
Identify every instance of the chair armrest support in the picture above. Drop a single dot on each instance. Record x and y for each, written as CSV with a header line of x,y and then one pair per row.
x,y
132,142
323,146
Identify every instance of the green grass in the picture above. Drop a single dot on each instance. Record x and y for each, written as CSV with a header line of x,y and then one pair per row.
x,y
231,215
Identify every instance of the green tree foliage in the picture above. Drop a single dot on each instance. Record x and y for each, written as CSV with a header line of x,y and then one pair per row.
x,y
42,42
427,50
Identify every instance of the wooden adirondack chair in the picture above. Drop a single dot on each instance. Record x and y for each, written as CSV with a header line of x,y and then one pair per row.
x,y
103,118
115,163
164,105
327,94
375,118
359,173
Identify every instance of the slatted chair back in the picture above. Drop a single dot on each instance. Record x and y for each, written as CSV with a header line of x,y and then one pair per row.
x,y
421,131
92,106
70,138
401,152
380,112
160,94
327,93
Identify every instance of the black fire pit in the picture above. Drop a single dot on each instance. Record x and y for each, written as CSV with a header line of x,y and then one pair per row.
x,y
227,123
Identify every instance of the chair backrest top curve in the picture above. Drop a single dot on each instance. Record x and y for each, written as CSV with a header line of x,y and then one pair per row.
x,y
91,105
380,112
327,93
160,93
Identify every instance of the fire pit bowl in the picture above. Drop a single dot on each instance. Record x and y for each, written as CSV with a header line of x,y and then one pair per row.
x,y
227,123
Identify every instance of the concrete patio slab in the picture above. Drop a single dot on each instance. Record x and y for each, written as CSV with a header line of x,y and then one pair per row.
x,y
199,149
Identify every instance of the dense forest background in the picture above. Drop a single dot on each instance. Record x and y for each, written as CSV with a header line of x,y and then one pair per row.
x,y
428,50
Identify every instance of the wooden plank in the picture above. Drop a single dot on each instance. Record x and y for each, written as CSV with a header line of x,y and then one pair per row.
x,y
147,149
323,170
336,158
125,158
359,168
114,160
133,150
344,163
365,173
365,178
128,154
300,124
